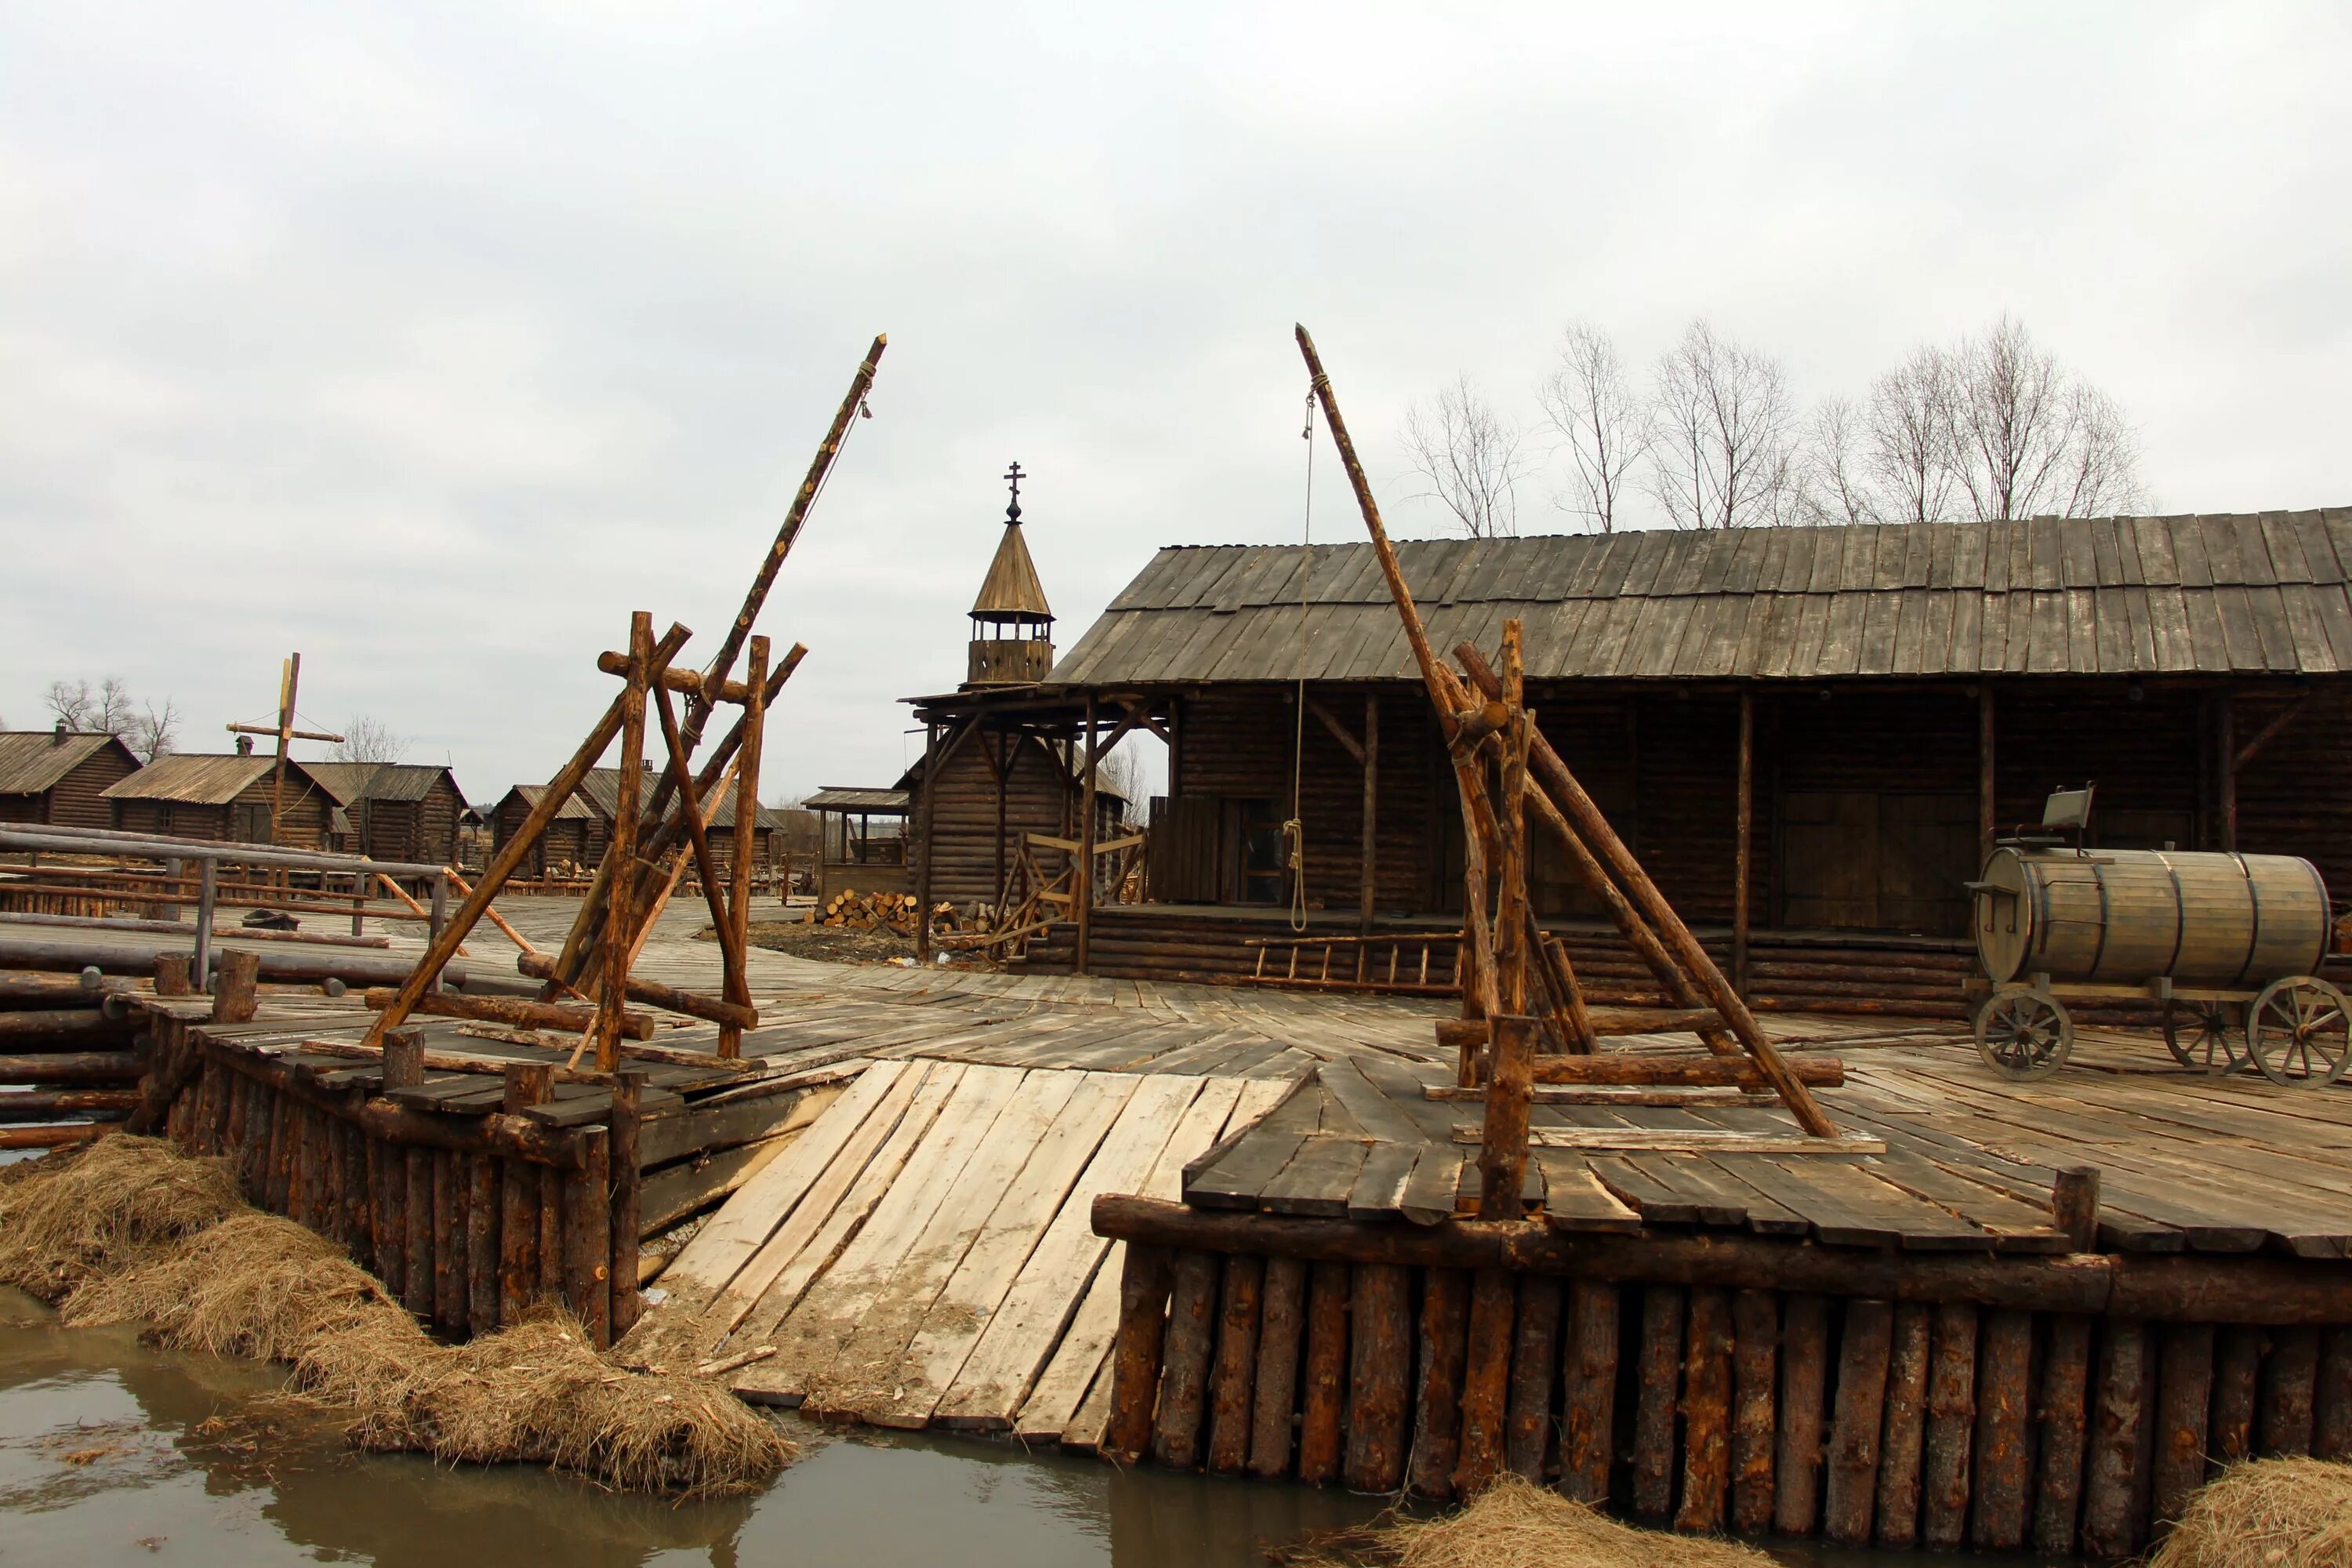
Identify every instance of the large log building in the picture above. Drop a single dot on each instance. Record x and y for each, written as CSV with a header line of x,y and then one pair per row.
x,y
223,798
1892,696
393,811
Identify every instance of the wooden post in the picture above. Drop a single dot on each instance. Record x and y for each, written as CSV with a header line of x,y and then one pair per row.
x,y
1437,1402
1535,1365
1324,1390
2075,1205
1986,826
1706,1413
207,888
1503,1140
1742,856
2059,1412
289,677
621,913
1233,1374
2289,1375
417,1291
1274,1396
1486,1381
1368,880
2184,1396
588,1236
1145,1280
999,768
1854,1432
1755,1338
693,813
1083,887
233,1001
1379,1360
628,1187
1903,1444
403,1059
1657,1379
1587,1436
171,974
448,1242
747,819
1951,1424
2112,1524
923,843
482,1204
2225,758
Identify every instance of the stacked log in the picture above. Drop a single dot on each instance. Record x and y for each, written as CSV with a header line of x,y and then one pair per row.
x,y
74,1050
852,910
2061,1404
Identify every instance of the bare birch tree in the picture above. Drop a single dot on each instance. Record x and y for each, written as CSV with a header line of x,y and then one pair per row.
x,y
154,731
1836,462
2031,437
368,740
1722,447
1473,458
1909,452
1601,421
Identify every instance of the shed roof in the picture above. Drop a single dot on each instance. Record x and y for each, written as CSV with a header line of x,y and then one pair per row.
x,y
200,780
573,809
2141,595
348,781
844,797
32,762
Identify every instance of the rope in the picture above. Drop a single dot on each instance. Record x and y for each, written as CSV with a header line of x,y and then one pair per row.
x,y
1294,832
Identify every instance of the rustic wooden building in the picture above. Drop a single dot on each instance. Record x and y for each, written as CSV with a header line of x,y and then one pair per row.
x,y
1848,713
861,840
1002,762
59,776
223,798
574,842
600,792
395,811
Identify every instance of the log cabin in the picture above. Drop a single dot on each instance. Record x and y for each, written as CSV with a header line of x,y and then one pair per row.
x,y
395,811
573,844
223,798
853,856
58,777
1809,736
600,792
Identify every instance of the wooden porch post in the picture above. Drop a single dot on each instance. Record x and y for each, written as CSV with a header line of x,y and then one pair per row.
x,y
2225,756
1008,747
1369,880
924,847
1742,857
1084,885
1985,826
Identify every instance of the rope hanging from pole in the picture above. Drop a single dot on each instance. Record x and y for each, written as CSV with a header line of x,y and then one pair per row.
x,y
1293,831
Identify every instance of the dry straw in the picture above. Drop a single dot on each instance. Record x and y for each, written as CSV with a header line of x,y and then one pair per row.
x,y
127,1231
1515,1525
2266,1513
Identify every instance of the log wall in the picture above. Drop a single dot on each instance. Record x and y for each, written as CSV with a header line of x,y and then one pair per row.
x,y
1711,1408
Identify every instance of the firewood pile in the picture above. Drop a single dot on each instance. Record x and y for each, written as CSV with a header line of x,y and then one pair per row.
x,y
868,911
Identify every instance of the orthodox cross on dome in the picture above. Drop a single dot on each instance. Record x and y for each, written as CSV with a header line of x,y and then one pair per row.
x,y
1013,513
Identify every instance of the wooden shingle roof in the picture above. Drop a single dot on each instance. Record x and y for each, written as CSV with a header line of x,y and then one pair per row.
x,y
1011,591
193,780
348,781
32,762
2139,595
600,792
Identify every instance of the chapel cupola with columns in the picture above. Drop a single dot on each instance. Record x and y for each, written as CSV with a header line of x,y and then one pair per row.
x,y
1011,624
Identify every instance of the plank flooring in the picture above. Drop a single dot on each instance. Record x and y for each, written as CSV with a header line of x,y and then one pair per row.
x,y
921,1253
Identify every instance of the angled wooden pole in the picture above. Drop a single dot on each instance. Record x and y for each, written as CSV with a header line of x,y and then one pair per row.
x,y
747,821
503,864
1553,775
614,992
698,840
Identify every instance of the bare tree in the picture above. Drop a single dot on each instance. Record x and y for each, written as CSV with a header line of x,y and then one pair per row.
x,y
1471,457
154,731
1599,419
1122,772
1722,453
1836,481
108,710
2031,437
1909,449
368,740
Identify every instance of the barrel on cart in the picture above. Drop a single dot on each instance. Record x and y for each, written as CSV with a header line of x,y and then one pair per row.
x,y
2229,945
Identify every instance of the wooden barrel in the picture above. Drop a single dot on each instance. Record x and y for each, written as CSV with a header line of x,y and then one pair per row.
x,y
2127,916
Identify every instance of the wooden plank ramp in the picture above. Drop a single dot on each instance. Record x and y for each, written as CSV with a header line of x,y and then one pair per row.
x,y
924,1253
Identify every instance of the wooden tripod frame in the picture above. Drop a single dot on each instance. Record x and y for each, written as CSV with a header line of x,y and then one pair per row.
x,y
1505,769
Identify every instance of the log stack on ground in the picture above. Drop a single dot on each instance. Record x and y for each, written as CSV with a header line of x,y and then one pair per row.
x,y
852,910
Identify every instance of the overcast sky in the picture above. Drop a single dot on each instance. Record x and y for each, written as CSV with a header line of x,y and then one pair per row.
x,y
433,340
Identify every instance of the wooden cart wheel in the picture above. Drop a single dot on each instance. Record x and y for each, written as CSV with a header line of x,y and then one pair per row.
x,y
2199,1036
2022,1033
2299,1032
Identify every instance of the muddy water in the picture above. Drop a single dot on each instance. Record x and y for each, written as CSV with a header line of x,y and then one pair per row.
x,y
114,1453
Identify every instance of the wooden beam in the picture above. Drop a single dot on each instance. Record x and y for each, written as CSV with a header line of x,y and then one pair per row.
x,y
1368,878
1084,887
620,917
747,822
697,838
1986,826
1348,742
1744,854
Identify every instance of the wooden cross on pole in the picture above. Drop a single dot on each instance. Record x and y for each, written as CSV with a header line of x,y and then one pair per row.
x,y
290,677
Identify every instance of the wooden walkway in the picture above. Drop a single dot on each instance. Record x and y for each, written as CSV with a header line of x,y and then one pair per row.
x,y
920,1254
